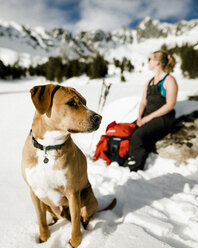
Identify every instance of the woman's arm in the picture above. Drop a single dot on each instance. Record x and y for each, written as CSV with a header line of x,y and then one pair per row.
x,y
171,98
142,105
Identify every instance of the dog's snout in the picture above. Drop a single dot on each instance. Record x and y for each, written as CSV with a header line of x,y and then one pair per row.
x,y
96,118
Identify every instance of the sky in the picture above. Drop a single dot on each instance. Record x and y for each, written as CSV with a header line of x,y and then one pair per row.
x,y
82,15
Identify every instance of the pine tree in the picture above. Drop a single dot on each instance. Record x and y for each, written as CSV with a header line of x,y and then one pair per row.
x,y
75,68
116,62
189,61
122,78
54,64
129,66
189,58
59,74
2,70
98,68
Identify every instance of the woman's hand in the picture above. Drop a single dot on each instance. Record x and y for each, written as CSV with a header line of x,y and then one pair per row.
x,y
139,122
146,119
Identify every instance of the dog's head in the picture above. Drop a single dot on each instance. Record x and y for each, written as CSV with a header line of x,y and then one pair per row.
x,y
64,109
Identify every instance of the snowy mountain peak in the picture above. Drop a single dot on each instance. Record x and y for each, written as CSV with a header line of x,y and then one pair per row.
x,y
186,26
151,28
39,42
34,38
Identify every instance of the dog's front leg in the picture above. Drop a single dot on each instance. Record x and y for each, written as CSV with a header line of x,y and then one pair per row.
x,y
41,216
74,207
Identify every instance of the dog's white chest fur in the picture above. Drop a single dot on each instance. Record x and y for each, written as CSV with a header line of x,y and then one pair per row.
x,y
44,179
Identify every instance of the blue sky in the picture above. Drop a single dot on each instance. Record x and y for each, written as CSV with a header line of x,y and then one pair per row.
x,y
81,15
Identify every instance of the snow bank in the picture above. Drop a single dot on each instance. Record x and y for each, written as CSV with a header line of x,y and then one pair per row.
x,y
157,207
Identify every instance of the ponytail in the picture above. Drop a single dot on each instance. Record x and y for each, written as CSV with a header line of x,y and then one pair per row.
x,y
171,63
167,60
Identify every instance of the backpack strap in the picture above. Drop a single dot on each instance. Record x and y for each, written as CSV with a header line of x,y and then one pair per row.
x,y
101,148
124,148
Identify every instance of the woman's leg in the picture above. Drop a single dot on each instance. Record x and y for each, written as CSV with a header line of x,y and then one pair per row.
x,y
143,140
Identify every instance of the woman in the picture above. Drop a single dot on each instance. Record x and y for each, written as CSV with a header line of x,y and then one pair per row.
x,y
156,112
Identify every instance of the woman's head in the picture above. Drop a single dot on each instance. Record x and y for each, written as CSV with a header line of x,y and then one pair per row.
x,y
165,60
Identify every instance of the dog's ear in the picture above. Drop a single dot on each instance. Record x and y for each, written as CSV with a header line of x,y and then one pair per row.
x,y
82,99
42,96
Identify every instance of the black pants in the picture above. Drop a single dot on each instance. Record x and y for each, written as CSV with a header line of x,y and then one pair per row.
x,y
143,139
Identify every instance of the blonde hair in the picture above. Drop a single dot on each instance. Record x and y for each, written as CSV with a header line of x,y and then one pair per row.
x,y
167,60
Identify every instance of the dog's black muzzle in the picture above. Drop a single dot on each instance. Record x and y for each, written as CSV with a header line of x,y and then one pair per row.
x,y
95,120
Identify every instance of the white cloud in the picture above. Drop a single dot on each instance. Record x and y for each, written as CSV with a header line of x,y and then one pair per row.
x,y
106,15
94,14
167,9
31,13
111,14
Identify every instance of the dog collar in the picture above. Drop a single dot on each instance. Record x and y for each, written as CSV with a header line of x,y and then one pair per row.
x,y
44,148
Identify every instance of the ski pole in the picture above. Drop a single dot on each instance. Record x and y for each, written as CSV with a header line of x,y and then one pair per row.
x,y
106,93
98,109
101,93
102,96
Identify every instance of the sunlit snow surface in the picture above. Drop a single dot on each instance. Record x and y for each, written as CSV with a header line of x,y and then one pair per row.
x,y
157,207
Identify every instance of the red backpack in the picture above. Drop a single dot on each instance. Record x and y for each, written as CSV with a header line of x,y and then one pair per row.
x,y
114,145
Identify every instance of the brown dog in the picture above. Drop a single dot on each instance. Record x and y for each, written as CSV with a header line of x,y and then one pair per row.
x,y
54,168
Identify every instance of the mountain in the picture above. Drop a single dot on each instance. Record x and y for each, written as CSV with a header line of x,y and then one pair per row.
x,y
26,46
150,28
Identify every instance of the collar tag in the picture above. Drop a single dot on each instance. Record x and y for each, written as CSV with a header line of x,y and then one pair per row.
x,y
45,148
46,159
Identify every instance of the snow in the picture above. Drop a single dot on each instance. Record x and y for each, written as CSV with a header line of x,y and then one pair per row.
x,y
13,58
156,208
8,56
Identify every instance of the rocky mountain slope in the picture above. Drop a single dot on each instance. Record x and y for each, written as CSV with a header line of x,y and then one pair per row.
x,y
34,45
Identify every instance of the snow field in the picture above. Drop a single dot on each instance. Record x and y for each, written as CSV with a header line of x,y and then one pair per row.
x,y
157,207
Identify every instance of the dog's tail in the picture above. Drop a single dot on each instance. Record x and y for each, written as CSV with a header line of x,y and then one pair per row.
x,y
110,206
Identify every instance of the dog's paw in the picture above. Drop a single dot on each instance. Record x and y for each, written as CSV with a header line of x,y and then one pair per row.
x,y
44,237
54,220
75,242
40,240
84,223
70,243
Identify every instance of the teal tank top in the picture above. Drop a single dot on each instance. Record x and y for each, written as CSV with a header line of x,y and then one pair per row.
x,y
160,85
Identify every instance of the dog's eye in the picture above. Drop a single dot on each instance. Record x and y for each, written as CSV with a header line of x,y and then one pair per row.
x,y
71,103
